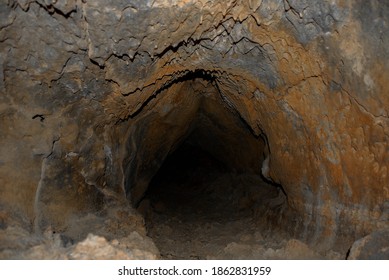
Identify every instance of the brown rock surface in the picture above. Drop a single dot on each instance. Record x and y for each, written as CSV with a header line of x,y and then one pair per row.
x,y
92,102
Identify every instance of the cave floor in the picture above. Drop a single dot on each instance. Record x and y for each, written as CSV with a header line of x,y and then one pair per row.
x,y
197,224
218,217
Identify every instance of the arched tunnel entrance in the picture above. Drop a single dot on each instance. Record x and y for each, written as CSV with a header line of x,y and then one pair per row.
x,y
146,104
203,192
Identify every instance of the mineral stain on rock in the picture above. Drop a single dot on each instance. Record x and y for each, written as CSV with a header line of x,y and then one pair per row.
x,y
194,129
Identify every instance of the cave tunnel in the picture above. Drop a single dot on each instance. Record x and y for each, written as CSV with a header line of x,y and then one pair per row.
x,y
194,129
212,175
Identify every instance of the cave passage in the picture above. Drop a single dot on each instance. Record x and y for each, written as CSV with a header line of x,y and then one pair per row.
x,y
194,171
198,207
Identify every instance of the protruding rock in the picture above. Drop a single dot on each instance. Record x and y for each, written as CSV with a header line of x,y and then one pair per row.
x,y
374,246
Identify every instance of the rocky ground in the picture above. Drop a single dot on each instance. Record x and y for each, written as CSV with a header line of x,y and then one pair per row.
x,y
220,229
118,234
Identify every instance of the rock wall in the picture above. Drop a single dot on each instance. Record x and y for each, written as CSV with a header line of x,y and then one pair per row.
x,y
89,90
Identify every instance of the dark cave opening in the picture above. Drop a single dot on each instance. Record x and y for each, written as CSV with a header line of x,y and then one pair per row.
x,y
200,204
183,180
197,173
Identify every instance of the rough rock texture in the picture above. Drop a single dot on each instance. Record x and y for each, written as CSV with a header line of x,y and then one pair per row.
x,y
92,248
374,246
95,95
118,234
